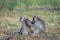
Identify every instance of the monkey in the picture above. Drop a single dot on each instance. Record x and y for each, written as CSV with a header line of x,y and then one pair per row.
x,y
37,25
25,28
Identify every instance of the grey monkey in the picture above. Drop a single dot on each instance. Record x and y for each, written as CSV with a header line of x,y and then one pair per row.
x,y
23,30
37,25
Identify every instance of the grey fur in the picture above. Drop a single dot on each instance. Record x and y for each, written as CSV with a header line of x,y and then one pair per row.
x,y
38,25
23,30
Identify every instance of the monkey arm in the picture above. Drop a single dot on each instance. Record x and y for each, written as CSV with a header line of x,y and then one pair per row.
x,y
30,24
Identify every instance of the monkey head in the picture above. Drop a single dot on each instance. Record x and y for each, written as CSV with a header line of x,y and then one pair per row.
x,y
22,18
35,18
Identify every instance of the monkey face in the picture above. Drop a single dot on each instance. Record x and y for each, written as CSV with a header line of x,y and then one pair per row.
x,y
22,18
35,18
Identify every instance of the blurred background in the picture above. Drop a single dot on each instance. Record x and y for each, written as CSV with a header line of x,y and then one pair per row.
x,y
11,10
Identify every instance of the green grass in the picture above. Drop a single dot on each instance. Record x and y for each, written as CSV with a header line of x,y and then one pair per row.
x,y
11,4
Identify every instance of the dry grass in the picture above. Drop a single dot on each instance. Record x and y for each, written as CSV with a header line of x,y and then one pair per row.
x,y
9,25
